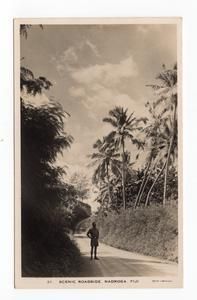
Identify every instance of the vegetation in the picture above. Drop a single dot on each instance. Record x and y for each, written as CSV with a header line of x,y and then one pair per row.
x,y
81,183
50,207
154,186
142,231
156,136
124,126
138,207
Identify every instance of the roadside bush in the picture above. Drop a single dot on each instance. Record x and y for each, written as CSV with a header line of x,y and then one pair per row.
x,y
46,249
152,231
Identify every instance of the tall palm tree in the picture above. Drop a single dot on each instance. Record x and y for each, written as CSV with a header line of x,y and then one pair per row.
x,y
153,145
163,157
167,92
106,160
124,127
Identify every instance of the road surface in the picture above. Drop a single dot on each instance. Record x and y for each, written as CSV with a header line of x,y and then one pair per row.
x,y
117,263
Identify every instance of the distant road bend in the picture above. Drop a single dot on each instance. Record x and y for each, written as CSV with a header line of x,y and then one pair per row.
x,y
114,262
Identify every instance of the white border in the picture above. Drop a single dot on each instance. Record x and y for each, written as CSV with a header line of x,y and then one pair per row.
x,y
36,8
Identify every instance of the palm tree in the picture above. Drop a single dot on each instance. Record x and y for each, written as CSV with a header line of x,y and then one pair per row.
x,y
106,160
170,149
163,157
143,183
167,91
124,126
153,144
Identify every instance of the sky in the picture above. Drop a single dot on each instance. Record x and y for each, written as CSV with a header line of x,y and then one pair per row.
x,y
94,68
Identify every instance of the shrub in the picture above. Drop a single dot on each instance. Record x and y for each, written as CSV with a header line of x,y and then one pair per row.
x,y
152,231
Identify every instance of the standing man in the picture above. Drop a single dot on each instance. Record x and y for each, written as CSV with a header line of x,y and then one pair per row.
x,y
93,234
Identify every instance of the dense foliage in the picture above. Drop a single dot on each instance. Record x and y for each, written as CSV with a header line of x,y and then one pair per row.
x,y
138,207
142,231
119,183
50,207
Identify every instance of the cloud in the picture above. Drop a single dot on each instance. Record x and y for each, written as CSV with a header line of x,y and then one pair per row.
x,y
98,100
107,74
77,91
93,48
66,61
99,88
72,56
106,100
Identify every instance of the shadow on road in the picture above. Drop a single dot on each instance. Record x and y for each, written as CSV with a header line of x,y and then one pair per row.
x,y
118,267
115,262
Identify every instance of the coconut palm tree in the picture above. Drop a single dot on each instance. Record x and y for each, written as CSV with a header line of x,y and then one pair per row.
x,y
163,157
124,127
153,145
167,92
106,160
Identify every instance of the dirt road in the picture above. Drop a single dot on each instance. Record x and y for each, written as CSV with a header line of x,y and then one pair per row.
x,y
117,263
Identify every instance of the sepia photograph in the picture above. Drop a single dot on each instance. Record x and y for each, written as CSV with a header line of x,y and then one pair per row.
x,y
98,153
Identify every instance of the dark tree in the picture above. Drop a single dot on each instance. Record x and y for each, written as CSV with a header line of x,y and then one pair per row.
x,y
46,249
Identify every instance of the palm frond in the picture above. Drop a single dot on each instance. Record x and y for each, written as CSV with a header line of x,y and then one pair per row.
x,y
110,137
111,121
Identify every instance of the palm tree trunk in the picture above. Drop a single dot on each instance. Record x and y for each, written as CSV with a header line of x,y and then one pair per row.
x,y
123,177
166,172
168,157
108,181
155,181
155,164
141,190
147,178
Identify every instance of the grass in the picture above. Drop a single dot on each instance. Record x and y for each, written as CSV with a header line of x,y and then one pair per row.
x,y
152,231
